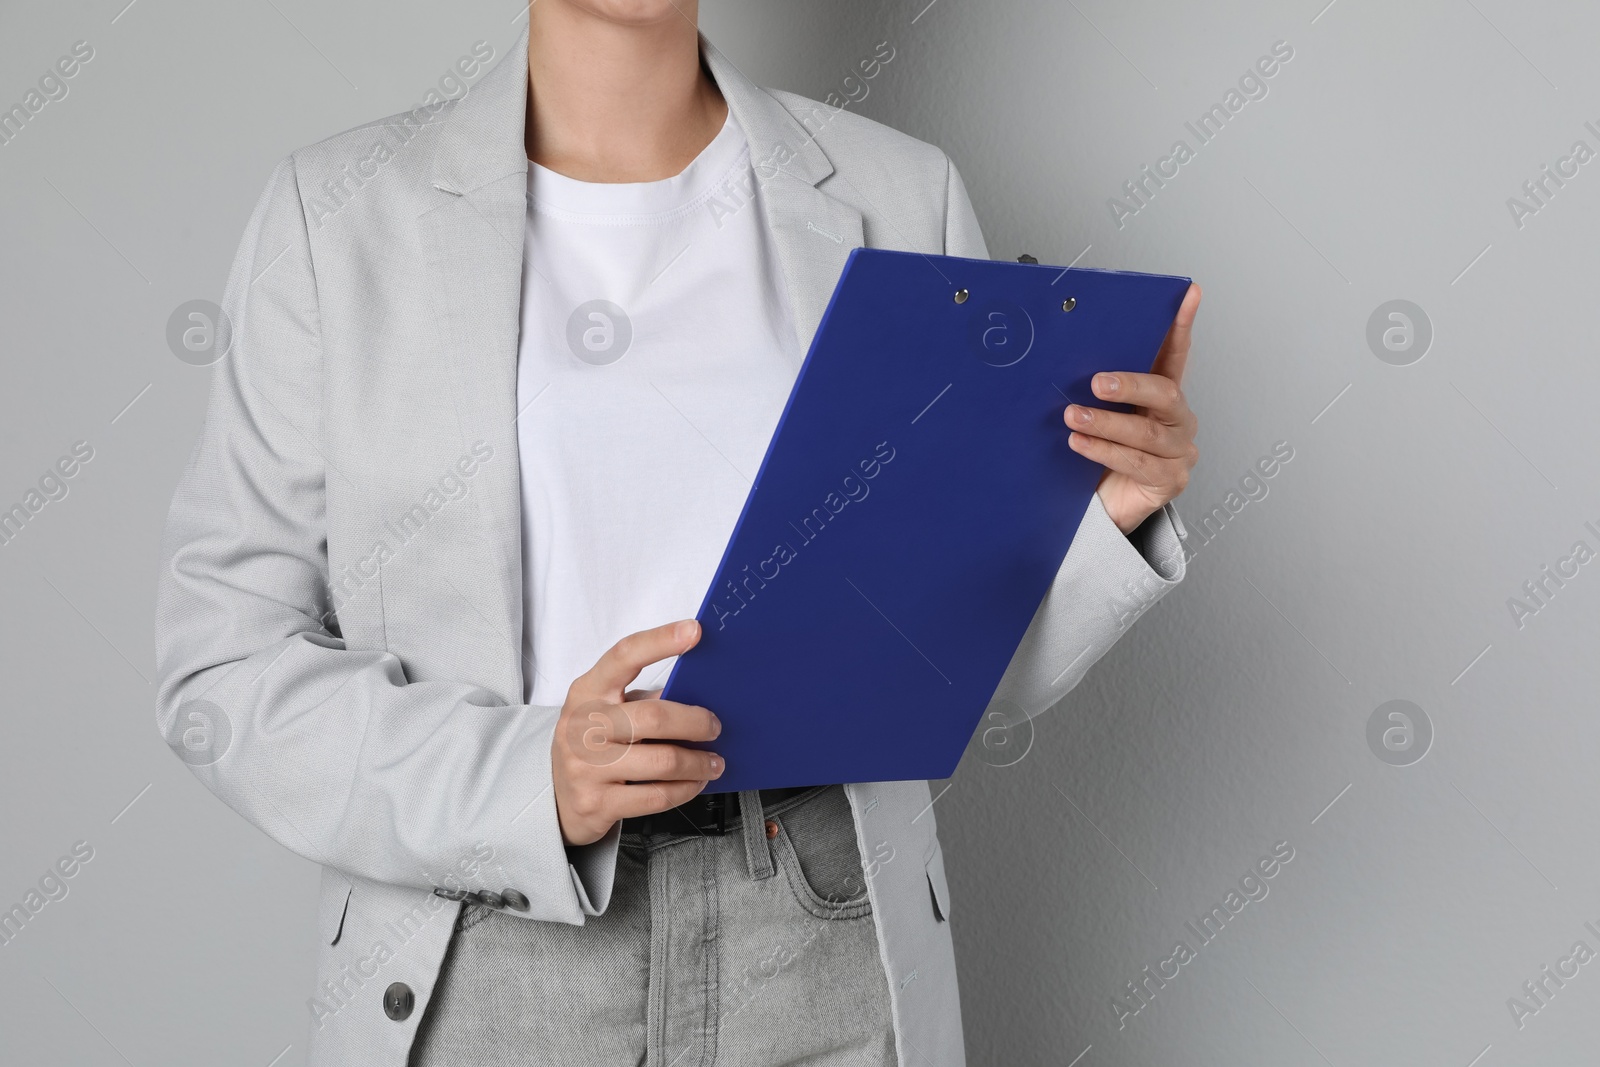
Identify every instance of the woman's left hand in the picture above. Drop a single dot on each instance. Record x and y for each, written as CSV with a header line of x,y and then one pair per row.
x,y
1149,453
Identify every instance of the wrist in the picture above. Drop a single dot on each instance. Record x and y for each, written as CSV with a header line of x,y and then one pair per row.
x,y
1128,518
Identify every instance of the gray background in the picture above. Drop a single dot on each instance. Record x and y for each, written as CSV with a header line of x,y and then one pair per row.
x,y
1378,566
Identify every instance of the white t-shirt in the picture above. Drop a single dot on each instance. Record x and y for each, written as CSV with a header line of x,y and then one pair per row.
x,y
655,358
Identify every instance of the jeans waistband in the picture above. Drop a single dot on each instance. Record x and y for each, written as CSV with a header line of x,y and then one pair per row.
x,y
709,814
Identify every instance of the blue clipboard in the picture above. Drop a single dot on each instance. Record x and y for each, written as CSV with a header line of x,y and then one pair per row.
x,y
914,506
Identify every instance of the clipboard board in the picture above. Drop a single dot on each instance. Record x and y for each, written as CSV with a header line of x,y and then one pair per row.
x,y
914,505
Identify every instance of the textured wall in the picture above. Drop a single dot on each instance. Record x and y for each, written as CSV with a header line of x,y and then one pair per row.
x,y
1374,565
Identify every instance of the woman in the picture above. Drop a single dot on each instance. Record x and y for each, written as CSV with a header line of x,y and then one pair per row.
x,y
487,421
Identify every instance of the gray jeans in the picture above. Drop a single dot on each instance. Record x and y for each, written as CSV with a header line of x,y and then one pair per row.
x,y
752,949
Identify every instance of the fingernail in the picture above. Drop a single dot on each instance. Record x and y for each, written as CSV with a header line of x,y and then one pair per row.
x,y
684,630
716,767
716,726
1082,414
1105,383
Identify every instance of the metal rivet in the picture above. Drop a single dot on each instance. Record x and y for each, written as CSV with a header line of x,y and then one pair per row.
x,y
1069,303
961,296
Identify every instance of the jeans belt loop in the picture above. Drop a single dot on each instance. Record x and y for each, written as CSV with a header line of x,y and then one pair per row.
x,y
757,853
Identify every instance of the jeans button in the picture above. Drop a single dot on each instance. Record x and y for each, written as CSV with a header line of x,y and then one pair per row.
x,y
398,1002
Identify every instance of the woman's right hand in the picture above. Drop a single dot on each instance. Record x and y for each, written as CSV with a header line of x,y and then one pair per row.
x,y
609,756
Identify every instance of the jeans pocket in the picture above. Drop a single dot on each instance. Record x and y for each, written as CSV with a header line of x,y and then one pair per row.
x,y
816,847
471,915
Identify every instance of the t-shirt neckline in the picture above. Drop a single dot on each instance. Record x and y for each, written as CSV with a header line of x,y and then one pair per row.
x,y
555,193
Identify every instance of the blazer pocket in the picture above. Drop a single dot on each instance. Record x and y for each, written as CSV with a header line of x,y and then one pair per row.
x,y
331,909
938,888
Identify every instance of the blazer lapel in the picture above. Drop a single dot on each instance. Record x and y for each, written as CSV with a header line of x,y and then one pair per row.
x,y
473,236
812,232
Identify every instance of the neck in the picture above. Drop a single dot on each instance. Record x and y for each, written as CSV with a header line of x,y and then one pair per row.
x,y
613,101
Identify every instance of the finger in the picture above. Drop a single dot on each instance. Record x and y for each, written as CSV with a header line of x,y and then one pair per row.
x,y
623,661
653,719
1157,394
1153,472
647,798
1174,354
1143,432
666,763
605,723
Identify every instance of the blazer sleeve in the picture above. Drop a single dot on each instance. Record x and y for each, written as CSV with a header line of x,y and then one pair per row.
x,y
327,749
1107,581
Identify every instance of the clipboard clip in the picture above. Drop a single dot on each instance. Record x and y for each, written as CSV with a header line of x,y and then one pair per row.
x,y
1066,305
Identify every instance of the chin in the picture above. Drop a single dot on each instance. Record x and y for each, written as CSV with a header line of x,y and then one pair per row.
x,y
636,12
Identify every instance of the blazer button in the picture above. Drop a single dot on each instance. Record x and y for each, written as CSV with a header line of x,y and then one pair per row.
x,y
490,900
398,1002
514,900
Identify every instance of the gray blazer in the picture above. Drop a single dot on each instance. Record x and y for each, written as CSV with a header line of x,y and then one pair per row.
x,y
339,619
